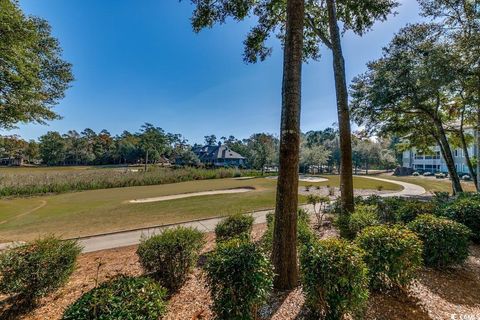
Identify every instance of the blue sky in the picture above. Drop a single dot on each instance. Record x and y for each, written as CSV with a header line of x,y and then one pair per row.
x,y
139,61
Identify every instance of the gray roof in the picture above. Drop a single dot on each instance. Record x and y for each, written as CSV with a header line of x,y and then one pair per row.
x,y
215,152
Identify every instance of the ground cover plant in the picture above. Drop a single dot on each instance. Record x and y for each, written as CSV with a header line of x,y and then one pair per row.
x,y
121,298
240,278
335,278
445,242
171,255
393,255
466,210
234,226
35,269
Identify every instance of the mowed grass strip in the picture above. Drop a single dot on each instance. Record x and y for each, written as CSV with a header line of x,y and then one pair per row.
x,y
98,211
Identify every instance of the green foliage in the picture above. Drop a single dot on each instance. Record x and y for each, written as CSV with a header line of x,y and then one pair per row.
x,y
413,208
171,255
271,17
305,234
121,298
33,75
445,242
466,210
61,182
240,277
364,216
334,278
234,226
393,255
35,269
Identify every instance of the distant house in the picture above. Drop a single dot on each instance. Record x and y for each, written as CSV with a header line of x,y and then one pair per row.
x,y
434,161
219,156
14,161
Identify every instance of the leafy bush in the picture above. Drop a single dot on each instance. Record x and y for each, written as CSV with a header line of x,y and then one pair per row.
x,y
334,277
445,242
237,225
121,298
240,277
304,233
466,210
35,269
412,209
364,216
170,255
393,255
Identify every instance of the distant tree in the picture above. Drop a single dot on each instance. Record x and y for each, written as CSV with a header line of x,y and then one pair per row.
x,y
315,155
32,151
153,142
262,147
33,75
52,148
12,146
210,140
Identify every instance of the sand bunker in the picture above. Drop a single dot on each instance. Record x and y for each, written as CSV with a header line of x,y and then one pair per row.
x,y
306,179
243,178
312,179
193,194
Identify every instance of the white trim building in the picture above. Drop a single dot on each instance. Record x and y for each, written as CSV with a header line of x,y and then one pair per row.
x,y
435,162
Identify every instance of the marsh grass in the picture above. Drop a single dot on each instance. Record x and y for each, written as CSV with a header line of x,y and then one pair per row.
x,y
61,181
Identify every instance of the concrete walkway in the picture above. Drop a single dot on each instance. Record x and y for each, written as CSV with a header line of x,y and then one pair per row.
x,y
132,237
409,189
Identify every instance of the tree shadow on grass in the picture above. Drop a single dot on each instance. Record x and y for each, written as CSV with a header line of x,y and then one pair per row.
x,y
395,305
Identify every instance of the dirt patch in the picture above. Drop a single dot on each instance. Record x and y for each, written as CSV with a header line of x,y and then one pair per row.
x,y
192,194
434,295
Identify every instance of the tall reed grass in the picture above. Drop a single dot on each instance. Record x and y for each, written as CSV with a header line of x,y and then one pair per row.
x,y
28,184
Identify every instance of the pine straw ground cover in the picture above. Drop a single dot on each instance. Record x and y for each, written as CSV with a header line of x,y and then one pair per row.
x,y
435,295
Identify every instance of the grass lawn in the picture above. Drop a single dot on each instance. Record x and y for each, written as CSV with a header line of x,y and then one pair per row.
x,y
432,184
96,211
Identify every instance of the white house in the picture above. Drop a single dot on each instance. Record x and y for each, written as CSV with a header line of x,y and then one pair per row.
x,y
434,162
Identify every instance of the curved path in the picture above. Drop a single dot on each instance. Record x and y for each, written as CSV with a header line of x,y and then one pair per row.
x,y
409,189
132,237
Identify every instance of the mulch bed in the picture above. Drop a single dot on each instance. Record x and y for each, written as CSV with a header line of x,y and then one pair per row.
x,y
434,295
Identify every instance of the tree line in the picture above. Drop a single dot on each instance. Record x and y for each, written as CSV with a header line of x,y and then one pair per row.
x,y
319,150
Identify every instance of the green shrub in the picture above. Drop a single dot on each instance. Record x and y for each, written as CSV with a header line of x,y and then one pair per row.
x,y
411,209
364,216
237,225
466,210
334,277
121,298
304,233
240,277
170,255
393,255
35,269
445,242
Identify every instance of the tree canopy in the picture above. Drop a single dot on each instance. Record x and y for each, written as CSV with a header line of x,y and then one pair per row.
x,y
33,75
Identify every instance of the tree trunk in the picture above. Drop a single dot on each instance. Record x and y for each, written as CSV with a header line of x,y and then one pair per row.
x,y
465,151
346,178
478,147
146,160
284,253
447,155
